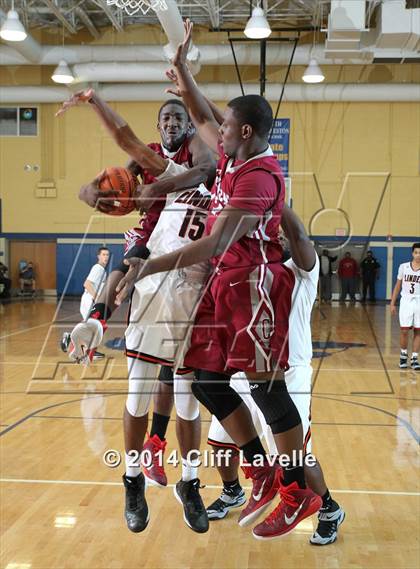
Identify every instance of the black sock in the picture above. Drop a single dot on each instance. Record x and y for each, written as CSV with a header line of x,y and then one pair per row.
x,y
253,450
326,500
159,425
100,311
294,474
231,485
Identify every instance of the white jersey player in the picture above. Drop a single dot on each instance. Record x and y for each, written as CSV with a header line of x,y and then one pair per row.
x,y
94,283
298,380
408,283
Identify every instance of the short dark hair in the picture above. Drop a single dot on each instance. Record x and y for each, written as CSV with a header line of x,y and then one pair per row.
x,y
173,102
102,249
255,111
415,246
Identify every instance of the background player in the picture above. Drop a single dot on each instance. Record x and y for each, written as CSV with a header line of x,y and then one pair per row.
x,y
305,265
408,283
93,286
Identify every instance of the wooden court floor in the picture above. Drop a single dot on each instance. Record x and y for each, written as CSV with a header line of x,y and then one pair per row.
x,y
61,507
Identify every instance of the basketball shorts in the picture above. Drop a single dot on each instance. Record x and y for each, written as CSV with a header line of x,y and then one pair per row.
x,y
298,380
161,315
242,321
86,303
410,312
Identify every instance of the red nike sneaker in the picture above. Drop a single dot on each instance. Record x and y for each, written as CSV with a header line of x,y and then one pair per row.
x,y
296,505
153,451
265,486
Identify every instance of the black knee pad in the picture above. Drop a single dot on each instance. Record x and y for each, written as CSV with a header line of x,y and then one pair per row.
x,y
166,375
276,405
214,392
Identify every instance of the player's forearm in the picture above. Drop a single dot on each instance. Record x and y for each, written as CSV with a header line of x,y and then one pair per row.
x,y
188,179
126,139
217,113
198,106
302,250
90,288
395,293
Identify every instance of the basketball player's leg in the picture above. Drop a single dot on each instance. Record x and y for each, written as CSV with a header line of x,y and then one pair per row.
x,y
406,318
188,431
141,382
163,401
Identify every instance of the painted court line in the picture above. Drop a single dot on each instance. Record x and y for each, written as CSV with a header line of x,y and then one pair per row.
x,y
211,486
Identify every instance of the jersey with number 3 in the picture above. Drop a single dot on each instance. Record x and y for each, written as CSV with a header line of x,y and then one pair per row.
x,y
410,280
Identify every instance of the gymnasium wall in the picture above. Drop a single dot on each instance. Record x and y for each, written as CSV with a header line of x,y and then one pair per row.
x,y
354,150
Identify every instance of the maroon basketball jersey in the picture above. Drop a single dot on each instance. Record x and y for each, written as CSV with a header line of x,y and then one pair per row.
x,y
257,186
140,235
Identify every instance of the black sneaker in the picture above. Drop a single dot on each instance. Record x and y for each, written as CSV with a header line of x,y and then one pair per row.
x,y
65,342
415,364
329,520
228,500
195,514
98,355
136,511
403,361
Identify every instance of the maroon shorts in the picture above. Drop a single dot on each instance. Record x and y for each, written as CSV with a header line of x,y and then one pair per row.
x,y
242,321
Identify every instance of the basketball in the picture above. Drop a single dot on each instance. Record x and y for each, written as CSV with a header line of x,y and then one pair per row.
x,y
122,181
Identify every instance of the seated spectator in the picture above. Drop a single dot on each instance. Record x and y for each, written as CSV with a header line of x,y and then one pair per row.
x,y
27,278
5,281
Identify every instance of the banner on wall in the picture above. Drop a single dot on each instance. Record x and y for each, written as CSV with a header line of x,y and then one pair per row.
x,y
279,142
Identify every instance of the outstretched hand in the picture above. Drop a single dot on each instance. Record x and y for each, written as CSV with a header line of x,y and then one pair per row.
x,y
172,76
137,269
180,57
76,99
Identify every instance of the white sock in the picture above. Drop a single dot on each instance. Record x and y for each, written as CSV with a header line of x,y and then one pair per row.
x,y
189,469
414,355
131,471
404,352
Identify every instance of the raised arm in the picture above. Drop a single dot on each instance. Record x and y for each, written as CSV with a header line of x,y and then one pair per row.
x,y
119,130
198,107
172,76
301,248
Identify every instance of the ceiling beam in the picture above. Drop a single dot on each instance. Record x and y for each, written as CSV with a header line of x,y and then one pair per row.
x,y
111,16
57,13
213,13
88,22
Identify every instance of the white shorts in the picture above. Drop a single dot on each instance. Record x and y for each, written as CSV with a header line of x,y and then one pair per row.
x,y
161,316
410,312
86,303
298,380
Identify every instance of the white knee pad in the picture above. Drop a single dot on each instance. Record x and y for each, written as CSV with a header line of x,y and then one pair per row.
x,y
141,385
186,404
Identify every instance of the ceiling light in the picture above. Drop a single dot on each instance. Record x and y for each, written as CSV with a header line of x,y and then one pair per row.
x,y
62,73
257,26
12,28
313,73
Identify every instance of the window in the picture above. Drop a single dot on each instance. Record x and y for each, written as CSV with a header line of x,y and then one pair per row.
x,y
18,121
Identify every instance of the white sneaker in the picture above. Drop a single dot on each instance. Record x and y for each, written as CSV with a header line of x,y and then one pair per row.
x,y
85,338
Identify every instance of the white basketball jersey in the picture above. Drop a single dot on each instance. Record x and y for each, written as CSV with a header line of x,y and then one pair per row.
x,y
182,220
303,298
410,280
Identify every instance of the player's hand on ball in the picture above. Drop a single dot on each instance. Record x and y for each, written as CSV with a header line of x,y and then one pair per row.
x,y
180,57
137,269
93,197
76,99
145,196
